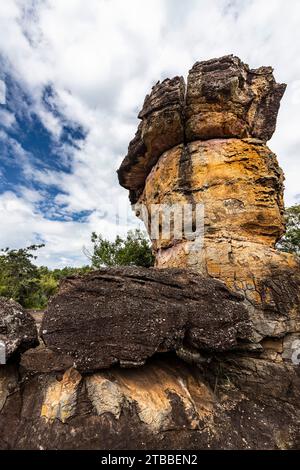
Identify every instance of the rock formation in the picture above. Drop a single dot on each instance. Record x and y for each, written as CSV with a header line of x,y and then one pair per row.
x,y
136,312
18,331
219,158
205,353
223,99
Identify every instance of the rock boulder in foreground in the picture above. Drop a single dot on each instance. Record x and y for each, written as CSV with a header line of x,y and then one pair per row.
x,y
18,331
126,315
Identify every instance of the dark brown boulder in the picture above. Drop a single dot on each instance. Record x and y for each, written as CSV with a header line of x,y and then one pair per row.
x,y
43,360
125,315
18,331
225,98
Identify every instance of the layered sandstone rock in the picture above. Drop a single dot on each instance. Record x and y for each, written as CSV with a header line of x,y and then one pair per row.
x,y
224,164
198,399
231,403
171,358
223,98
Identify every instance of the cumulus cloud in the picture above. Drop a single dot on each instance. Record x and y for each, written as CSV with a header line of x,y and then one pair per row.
x,y
65,240
100,58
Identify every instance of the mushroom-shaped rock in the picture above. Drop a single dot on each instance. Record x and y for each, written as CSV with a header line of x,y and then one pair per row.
x,y
223,98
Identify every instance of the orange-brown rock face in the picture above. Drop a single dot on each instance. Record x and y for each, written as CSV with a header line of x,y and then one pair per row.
x,y
238,181
240,186
222,162
136,358
223,98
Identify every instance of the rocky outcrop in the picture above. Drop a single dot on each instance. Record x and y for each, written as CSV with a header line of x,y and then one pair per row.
x,y
205,353
134,313
230,403
197,399
223,98
240,185
224,165
17,328
161,128
227,99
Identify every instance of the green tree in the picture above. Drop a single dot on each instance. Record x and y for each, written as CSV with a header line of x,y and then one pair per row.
x,y
49,281
290,242
19,277
134,250
30,285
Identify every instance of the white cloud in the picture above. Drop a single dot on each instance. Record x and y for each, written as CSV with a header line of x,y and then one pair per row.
x,y
65,240
2,92
7,119
102,56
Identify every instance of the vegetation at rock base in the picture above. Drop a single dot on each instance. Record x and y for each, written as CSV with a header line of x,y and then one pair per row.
x,y
19,277
134,250
290,242
32,286
28,284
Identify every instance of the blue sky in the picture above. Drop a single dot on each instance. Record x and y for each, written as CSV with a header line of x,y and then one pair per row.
x,y
73,76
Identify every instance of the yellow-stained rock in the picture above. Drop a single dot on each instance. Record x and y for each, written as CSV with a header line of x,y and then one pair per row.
x,y
61,397
240,185
152,391
238,181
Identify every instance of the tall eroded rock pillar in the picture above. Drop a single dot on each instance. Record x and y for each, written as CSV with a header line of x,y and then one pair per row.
x,y
205,143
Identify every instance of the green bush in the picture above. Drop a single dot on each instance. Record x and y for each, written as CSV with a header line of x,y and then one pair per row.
x,y
134,250
290,242
32,286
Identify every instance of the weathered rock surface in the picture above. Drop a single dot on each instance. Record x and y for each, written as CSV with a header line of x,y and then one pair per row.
x,y
223,98
161,128
238,182
240,185
214,369
17,328
125,315
165,404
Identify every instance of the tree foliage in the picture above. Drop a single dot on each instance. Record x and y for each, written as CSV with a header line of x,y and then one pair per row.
x,y
32,286
19,277
290,242
134,250
28,284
